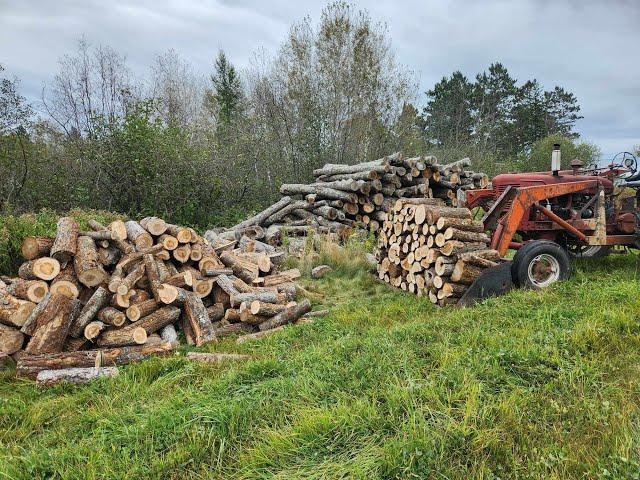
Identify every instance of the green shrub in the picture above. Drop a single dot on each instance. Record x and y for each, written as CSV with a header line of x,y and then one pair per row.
x,y
14,229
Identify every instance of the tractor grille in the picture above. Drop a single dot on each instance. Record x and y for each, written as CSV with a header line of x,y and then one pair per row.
x,y
499,190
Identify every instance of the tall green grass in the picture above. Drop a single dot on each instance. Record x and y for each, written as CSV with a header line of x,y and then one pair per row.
x,y
529,385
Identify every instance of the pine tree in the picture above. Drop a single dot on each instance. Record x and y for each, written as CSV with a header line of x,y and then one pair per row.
x,y
225,97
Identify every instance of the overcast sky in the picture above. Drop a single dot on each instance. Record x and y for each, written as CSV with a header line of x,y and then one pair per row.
x,y
589,47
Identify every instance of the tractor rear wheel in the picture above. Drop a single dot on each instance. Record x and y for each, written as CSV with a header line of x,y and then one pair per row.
x,y
539,264
591,251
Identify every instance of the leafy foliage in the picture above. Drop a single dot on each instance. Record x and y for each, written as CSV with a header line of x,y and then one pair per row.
x,y
539,159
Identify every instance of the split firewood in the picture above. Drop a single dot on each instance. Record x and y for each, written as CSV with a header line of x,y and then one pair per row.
x,y
198,318
98,300
13,311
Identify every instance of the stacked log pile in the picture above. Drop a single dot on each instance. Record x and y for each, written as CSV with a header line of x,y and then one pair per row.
x,y
345,196
431,249
120,292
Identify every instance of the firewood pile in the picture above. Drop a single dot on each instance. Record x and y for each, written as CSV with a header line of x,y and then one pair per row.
x,y
431,249
121,292
346,196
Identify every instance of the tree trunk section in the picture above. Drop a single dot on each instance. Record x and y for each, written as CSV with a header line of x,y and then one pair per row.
x,y
122,337
11,340
73,376
43,268
31,290
198,318
287,316
142,309
30,365
154,225
88,268
112,316
157,320
65,243
36,247
66,283
98,300
94,329
52,326
139,236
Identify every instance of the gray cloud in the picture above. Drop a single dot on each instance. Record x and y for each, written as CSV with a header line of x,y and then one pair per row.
x,y
588,47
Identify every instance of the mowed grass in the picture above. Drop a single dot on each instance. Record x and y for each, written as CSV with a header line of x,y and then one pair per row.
x,y
530,385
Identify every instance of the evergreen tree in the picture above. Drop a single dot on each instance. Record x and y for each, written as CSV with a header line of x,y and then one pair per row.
x,y
448,116
493,115
226,96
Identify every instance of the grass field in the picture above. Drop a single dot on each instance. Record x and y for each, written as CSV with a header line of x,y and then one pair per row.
x,y
530,385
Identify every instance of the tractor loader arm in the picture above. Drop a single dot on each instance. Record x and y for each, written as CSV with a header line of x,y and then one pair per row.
x,y
522,199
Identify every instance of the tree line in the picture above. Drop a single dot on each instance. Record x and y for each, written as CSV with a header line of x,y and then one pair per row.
x,y
204,151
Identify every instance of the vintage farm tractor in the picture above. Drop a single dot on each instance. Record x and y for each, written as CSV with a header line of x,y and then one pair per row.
x,y
551,217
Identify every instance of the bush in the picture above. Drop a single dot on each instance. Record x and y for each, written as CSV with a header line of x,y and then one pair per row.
x,y
539,159
15,228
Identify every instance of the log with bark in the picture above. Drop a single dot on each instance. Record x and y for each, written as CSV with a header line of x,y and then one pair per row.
x,y
65,243
73,376
30,365
36,247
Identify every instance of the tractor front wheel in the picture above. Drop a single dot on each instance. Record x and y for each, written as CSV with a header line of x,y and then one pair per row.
x,y
539,264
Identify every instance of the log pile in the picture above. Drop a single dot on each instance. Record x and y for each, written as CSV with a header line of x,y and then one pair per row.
x,y
346,196
120,292
431,249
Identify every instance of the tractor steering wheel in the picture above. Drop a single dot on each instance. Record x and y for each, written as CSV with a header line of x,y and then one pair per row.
x,y
626,160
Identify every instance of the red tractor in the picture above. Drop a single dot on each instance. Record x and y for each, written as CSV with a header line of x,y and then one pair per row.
x,y
550,217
